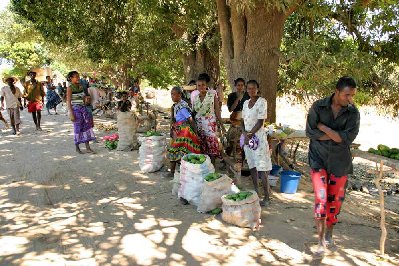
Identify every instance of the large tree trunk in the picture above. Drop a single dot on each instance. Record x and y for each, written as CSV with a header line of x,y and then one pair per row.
x,y
201,61
250,43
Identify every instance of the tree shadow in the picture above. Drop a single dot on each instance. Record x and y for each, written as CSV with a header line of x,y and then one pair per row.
x,y
61,207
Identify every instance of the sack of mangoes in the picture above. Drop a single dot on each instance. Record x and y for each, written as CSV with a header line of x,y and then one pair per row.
x,y
193,169
195,158
215,186
242,209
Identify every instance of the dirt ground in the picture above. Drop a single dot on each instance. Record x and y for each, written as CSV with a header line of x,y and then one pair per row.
x,y
61,208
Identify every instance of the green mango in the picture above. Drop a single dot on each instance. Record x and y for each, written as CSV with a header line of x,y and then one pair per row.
x,y
216,211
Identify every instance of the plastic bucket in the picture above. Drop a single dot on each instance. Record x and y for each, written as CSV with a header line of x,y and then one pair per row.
x,y
276,170
289,181
273,180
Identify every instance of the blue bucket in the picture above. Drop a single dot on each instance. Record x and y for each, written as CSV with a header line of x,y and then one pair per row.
x,y
276,170
289,181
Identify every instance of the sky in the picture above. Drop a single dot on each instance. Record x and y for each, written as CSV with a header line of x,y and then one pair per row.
x,y
3,4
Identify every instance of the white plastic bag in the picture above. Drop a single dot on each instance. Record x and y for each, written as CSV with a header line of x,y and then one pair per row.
x,y
192,179
212,192
126,122
243,213
151,153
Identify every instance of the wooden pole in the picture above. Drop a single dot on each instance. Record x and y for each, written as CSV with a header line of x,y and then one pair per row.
x,y
377,182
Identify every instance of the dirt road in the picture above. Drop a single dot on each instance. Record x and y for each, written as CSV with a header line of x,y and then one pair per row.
x,y
61,208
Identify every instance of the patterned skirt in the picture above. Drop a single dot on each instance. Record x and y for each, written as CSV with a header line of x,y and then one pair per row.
x,y
207,132
53,99
184,142
83,125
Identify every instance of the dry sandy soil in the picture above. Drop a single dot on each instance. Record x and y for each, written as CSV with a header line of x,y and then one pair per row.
x,y
61,208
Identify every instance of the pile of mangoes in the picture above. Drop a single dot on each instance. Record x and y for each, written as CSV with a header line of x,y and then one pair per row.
x,y
212,177
239,196
195,158
216,211
385,151
151,133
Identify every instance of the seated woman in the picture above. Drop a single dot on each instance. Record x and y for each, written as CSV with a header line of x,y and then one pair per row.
x,y
256,148
124,105
183,130
235,102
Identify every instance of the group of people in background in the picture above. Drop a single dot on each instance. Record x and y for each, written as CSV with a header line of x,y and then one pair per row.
x,y
197,125
33,96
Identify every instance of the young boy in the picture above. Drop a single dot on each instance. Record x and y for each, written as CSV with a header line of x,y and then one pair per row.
x,y
124,105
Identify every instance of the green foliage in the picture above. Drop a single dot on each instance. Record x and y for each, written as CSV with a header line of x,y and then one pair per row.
x,y
20,45
325,40
127,38
314,66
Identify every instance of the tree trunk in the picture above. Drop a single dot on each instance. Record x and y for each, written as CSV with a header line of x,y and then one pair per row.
x,y
250,43
201,61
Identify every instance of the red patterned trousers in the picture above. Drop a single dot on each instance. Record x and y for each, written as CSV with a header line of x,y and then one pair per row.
x,y
329,193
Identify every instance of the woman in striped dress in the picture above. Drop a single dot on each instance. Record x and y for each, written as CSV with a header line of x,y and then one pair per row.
x,y
79,114
183,130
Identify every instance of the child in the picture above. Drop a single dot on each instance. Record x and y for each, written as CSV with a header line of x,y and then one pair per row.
x,y
124,105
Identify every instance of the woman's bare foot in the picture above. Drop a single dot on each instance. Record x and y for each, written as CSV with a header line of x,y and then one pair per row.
x,y
265,202
88,148
321,250
169,175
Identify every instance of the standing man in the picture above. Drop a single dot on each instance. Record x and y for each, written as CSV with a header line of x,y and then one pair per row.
x,y
34,93
332,125
12,95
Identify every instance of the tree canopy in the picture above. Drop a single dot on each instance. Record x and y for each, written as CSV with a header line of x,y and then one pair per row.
x,y
291,47
19,45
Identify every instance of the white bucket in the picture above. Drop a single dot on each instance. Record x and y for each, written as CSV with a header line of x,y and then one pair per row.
x,y
273,180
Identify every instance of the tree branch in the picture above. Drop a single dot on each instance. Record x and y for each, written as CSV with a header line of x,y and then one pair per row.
x,y
293,7
363,3
347,19
225,27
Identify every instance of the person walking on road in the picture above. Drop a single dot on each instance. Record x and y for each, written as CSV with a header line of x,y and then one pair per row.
x,y
53,99
332,125
12,96
79,113
34,93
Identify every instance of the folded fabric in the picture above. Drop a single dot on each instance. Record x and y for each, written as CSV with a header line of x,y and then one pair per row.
x,y
253,142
